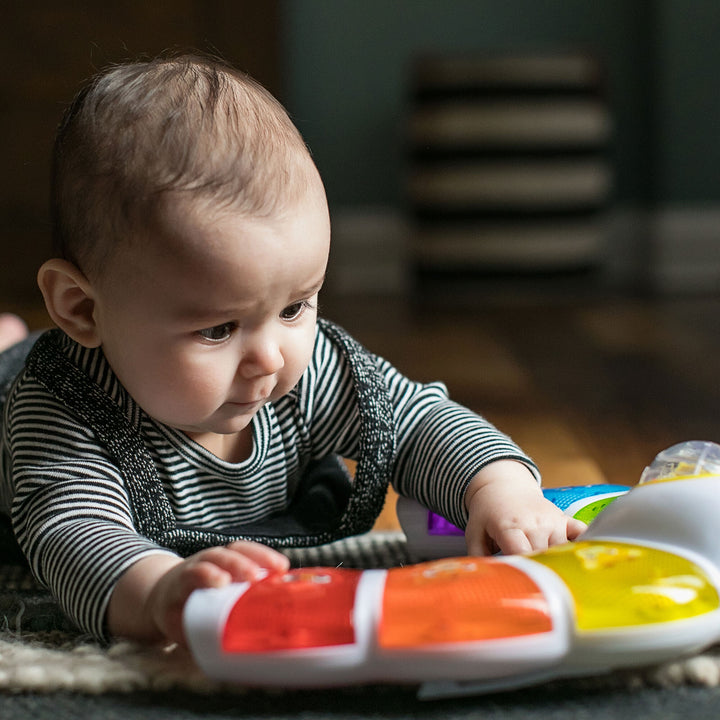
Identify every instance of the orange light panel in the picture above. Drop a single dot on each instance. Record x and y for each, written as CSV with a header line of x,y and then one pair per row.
x,y
460,600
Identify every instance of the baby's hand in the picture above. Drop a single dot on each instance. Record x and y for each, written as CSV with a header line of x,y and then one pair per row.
x,y
215,567
508,512
149,599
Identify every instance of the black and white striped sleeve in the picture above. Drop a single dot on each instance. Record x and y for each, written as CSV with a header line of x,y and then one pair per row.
x,y
441,445
70,511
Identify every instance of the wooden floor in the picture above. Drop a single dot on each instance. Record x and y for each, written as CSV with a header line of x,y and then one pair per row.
x,y
591,387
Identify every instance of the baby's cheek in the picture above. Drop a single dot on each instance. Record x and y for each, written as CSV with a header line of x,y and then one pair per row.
x,y
296,363
182,395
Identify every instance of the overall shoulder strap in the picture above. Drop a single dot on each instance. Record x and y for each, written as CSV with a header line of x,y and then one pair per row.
x,y
377,434
153,514
97,411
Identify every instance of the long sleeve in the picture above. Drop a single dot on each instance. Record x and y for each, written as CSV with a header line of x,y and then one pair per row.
x,y
440,445
70,511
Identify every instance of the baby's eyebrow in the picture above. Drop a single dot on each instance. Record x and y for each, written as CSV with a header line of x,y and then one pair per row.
x,y
200,314
205,314
314,288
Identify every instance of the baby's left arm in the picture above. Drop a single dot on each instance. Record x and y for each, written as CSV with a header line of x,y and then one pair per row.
x,y
508,512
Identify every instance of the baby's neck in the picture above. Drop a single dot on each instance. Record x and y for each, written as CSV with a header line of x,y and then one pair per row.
x,y
232,448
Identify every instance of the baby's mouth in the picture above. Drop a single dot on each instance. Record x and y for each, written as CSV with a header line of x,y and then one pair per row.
x,y
249,403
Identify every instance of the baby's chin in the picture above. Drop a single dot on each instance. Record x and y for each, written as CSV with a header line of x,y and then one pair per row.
x,y
228,419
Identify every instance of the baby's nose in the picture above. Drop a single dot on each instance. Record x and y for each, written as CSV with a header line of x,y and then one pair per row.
x,y
261,356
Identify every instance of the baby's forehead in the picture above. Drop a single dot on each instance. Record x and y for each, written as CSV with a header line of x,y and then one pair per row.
x,y
185,224
291,194
219,253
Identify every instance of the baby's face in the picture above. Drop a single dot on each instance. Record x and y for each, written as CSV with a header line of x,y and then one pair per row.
x,y
216,317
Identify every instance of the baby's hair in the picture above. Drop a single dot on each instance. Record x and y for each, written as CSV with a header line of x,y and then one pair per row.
x,y
189,126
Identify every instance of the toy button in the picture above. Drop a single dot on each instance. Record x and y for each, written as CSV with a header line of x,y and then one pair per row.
x,y
304,608
460,600
588,513
616,585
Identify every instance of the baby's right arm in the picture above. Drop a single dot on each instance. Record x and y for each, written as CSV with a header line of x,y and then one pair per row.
x,y
148,600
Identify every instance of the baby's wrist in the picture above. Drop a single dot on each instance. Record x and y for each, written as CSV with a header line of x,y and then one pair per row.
x,y
132,612
505,470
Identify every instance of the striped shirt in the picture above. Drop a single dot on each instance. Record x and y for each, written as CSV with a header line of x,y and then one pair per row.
x,y
72,514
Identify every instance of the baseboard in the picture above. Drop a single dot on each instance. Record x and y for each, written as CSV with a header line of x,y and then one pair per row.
x,y
687,249
669,250
368,254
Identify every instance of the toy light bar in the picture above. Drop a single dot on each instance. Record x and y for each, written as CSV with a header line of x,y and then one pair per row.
x,y
641,586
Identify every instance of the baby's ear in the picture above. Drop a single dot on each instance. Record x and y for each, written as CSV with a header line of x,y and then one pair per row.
x,y
69,300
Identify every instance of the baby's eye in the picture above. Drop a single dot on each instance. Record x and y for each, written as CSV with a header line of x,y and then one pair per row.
x,y
291,312
217,333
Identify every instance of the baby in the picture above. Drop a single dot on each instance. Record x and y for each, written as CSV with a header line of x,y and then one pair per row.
x,y
184,419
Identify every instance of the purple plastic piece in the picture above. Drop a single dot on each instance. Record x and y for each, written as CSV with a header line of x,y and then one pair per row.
x,y
438,525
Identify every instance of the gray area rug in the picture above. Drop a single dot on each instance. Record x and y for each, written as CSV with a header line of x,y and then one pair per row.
x,y
40,652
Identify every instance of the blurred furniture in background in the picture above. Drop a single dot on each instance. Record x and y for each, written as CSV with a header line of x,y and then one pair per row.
x,y
509,165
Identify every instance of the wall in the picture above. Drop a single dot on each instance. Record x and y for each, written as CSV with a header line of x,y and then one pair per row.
x,y
342,69
48,48
686,191
347,64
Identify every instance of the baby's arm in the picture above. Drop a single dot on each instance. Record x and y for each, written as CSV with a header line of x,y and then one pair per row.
x,y
148,600
508,512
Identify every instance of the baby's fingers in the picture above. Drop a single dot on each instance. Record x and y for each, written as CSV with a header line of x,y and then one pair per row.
x,y
515,541
575,528
262,555
222,565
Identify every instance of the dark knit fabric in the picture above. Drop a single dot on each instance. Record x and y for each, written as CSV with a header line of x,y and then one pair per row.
x,y
153,516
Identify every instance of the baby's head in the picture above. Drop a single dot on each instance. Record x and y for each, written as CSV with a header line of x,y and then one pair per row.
x,y
192,238
175,130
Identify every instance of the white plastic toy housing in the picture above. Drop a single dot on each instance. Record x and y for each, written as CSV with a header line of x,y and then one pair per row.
x,y
641,586
682,515
365,660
